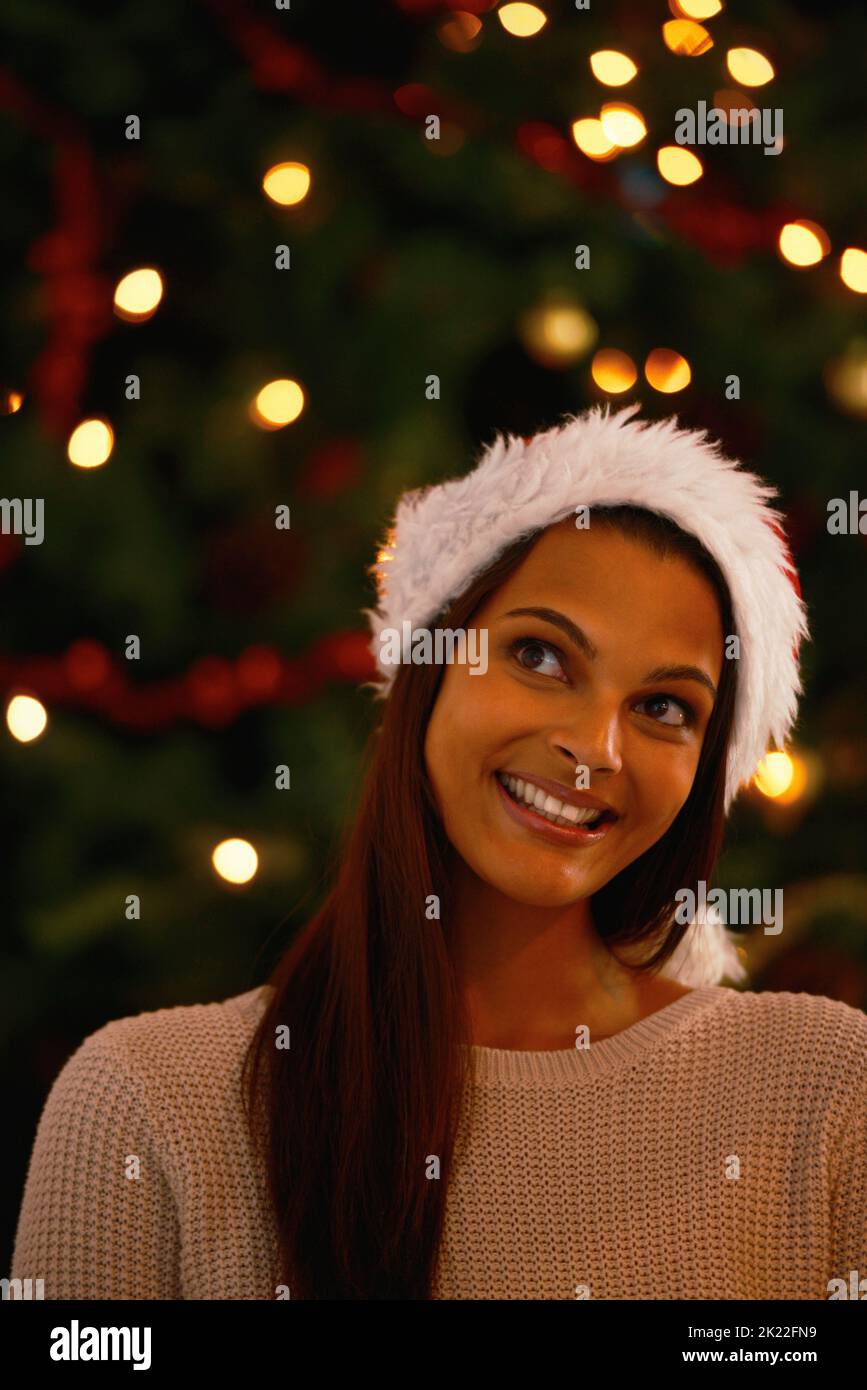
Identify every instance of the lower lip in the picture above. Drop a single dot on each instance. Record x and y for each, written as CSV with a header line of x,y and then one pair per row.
x,y
558,834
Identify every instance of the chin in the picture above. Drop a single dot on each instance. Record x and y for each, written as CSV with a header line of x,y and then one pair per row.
x,y
553,898
539,885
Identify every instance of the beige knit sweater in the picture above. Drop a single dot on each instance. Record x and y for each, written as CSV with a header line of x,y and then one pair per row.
x,y
716,1149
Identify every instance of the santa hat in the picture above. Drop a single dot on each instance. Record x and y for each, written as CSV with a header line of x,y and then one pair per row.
x,y
444,535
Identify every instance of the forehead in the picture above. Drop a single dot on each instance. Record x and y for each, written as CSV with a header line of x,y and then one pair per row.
x,y
618,590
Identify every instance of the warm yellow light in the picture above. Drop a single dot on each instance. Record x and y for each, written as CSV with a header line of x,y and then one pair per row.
x,y
613,68
287,183
846,378
801,775
686,38
623,124
803,243
695,9
613,371
25,718
11,403
748,66
667,371
521,20
853,269
138,294
558,333
90,443
591,138
774,774
678,166
384,556
278,404
235,860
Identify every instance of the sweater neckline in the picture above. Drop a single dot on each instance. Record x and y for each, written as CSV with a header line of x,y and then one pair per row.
x,y
574,1064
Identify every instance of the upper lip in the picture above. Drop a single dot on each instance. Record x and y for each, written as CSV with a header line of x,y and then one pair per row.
x,y
567,794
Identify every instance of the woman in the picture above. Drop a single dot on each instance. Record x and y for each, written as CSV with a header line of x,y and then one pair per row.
x,y
499,1061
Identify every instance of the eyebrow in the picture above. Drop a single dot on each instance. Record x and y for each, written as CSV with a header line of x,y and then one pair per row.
x,y
583,643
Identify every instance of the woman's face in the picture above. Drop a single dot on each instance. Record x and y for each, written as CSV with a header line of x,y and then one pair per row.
x,y
599,682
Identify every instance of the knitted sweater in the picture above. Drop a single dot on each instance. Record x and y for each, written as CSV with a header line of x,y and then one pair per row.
x,y
715,1149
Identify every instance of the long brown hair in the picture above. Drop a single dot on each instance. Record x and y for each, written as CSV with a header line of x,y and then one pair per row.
x,y
358,1117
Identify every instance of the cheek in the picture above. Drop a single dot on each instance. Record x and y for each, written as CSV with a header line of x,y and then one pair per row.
x,y
445,744
460,725
460,747
663,781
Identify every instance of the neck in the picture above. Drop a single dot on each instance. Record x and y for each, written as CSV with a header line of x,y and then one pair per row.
x,y
530,976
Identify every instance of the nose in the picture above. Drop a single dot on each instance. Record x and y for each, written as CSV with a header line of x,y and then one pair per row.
x,y
591,739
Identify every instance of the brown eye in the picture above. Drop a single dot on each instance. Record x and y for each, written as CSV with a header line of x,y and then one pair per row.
x,y
665,705
532,654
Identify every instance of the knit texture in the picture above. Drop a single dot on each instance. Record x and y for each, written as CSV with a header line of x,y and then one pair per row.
x,y
603,1169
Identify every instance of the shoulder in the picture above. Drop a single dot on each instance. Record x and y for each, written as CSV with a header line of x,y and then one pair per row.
x,y
810,1022
134,1127
813,1043
185,1036
188,1043
184,1061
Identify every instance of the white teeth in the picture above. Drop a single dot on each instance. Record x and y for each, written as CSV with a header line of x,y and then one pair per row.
x,y
559,812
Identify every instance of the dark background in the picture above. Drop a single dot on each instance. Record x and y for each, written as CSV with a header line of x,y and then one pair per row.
x,y
409,257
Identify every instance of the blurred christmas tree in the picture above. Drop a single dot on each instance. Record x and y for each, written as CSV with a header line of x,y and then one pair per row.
x,y
427,289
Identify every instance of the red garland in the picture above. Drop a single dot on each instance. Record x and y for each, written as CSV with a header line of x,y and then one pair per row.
x,y
214,692
78,299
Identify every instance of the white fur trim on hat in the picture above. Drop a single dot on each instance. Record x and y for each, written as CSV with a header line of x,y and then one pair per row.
x,y
446,534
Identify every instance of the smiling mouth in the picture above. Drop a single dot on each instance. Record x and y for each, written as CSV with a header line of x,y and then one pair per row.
x,y
560,813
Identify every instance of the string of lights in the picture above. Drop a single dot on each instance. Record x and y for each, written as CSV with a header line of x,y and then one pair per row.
x,y
556,332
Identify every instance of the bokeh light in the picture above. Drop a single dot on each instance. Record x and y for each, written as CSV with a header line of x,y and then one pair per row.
x,y
624,125
667,371
678,166
774,774
138,294
460,32
612,68
287,184
592,140
803,243
278,404
236,861
90,443
735,106
686,38
695,9
613,371
749,67
846,378
558,332
26,718
521,20
853,269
